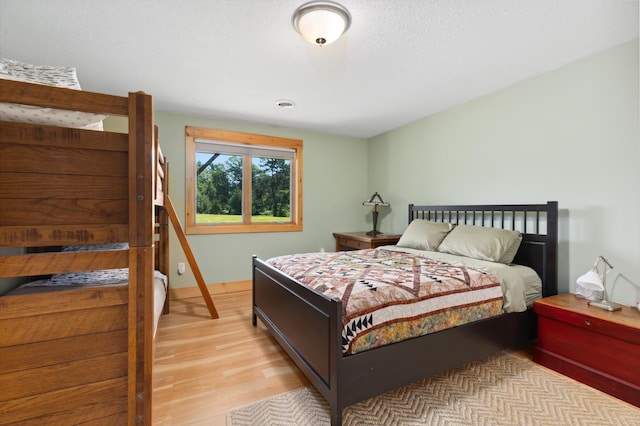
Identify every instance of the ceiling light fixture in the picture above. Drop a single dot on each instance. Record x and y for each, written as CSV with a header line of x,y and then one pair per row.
x,y
321,22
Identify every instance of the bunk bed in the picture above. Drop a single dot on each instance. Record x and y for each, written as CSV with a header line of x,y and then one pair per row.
x,y
297,298
74,200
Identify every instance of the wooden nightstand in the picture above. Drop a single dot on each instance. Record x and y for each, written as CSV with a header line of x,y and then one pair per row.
x,y
591,345
360,240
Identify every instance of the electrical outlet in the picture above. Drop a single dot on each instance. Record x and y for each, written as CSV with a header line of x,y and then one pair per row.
x,y
181,268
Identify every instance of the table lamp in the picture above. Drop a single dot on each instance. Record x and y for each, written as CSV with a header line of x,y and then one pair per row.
x,y
375,201
591,280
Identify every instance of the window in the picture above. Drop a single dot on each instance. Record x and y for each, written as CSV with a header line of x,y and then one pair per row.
x,y
241,182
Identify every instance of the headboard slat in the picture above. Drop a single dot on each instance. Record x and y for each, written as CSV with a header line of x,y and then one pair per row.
x,y
539,246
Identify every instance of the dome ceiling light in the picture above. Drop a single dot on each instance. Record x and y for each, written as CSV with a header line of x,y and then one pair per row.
x,y
321,22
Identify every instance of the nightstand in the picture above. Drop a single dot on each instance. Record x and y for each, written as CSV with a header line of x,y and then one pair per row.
x,y
360,240
591,345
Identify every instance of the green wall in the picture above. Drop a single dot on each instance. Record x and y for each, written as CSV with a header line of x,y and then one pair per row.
x,y
334,186
571,135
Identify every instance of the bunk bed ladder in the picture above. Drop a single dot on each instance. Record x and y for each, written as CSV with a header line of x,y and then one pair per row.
x,y
175,221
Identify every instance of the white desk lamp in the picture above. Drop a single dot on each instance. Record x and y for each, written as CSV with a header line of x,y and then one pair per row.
x,y
592,281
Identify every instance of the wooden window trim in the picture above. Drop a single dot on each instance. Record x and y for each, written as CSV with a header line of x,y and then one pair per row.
x,y
192,227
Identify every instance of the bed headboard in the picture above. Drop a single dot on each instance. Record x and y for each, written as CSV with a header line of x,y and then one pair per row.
x,y
538,224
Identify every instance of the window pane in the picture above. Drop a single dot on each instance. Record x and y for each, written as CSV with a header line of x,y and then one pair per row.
x,y
270,190
219,188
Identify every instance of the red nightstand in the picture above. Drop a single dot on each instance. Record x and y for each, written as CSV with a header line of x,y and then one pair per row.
x,y
591,345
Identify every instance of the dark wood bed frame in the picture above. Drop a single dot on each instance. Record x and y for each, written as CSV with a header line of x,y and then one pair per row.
x,y
308,325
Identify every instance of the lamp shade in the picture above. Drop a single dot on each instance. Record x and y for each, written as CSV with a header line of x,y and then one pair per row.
x,y
321,22
591,280
375,200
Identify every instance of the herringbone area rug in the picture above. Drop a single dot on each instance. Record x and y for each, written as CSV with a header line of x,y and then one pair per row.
x,y
502,390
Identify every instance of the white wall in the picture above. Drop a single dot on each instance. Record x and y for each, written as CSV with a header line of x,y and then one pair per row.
x,y
571,135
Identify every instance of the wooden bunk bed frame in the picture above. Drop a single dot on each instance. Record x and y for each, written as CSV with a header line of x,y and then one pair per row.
x,y
86,354
308,325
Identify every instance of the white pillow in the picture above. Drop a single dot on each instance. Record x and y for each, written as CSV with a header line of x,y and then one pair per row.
x,y
40,74
424,235
51,76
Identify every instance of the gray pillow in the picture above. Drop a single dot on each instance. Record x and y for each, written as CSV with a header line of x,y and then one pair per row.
x,y
424,235
483,243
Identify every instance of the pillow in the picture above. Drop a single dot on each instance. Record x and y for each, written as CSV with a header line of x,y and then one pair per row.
x,y
50,76
39,74
510,253
424,235
483,243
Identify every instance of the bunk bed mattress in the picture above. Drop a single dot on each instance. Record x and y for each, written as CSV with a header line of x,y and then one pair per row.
x,y
391,294
97,279
65,77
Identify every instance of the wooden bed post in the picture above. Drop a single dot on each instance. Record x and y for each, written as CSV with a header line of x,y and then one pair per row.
x,y
175,221
141,258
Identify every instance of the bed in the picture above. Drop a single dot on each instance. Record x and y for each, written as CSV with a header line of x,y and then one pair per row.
x,y
75,199
309,324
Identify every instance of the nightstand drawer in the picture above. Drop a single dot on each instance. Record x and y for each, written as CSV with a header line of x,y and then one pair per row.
x,y
361,240
347,242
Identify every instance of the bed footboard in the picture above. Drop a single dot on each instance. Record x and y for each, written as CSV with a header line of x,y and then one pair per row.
x,y
308,326
304,322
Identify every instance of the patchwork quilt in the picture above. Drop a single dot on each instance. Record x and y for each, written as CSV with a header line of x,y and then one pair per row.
x,y
389,296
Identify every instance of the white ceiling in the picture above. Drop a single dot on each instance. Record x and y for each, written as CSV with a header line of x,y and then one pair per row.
x,y
400,60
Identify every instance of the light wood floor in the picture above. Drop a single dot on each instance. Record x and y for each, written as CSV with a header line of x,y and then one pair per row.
x,y
203,368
